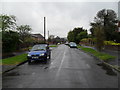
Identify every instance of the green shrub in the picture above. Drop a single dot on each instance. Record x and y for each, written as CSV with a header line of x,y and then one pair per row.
x,y
111,43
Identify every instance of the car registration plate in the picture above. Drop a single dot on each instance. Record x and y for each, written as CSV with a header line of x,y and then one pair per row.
x,y
35,57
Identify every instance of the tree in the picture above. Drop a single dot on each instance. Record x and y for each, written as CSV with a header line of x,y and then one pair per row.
x,y
92,32
99,37
24,32
72,35
108,20
10,38
10,41
82,35
7,22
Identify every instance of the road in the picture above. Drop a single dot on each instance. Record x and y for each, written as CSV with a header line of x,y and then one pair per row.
x,y
68,68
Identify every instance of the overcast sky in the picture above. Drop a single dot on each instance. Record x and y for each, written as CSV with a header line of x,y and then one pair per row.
x,y
61,17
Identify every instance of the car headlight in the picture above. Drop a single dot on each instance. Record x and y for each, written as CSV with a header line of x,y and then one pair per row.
x,y
29,55
42,54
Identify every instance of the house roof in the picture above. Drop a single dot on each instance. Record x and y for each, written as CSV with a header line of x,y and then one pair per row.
x,y
37,35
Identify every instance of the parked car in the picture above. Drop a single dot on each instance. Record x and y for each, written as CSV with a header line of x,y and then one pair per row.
x,y
72,45
66,43
39,52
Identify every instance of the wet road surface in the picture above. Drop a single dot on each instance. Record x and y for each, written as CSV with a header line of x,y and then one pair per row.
x,y
68,68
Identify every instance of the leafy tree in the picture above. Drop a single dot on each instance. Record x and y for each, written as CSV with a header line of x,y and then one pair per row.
x,y
24,32
92,32
107,19
99,37
7,22
72,35
82,35
10,41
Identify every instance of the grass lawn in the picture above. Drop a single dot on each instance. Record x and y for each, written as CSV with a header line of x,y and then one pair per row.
x,y
14,60
102,56
52,45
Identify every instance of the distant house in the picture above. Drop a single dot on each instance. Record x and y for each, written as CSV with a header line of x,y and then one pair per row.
x,y
38,37
51,36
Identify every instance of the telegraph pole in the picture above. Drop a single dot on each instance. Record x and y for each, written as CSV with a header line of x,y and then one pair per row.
x,y
48,34
48,37
44,29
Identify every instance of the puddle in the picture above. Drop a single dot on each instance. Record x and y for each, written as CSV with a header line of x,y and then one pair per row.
x,y
12,74
108,70
45,67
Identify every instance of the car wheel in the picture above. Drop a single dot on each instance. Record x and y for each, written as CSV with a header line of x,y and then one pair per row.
x,y
49,56
45,60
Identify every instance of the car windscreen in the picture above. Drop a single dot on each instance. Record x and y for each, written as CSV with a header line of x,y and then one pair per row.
x,y
39,48
74,44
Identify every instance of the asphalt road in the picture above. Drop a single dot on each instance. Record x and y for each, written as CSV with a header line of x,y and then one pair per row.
x,y
68,68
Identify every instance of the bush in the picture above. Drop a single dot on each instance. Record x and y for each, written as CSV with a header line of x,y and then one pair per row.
x,y
111,43
10,41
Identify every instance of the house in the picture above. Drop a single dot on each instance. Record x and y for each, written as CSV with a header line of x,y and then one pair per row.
x,y
51,36
37,37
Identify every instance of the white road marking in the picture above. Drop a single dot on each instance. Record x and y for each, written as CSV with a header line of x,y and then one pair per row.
x,y
61,64
52,64
88,66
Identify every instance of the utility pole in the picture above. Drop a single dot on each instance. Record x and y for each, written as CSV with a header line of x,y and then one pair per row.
x,y
48,37
48,34
44,29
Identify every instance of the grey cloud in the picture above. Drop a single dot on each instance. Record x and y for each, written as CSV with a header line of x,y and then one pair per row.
x,y
61,16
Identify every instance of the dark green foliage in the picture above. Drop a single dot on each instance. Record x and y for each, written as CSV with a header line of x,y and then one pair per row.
x,y
99,36
76,35
107,19
71,37
10,41
82,35
7,22
24,32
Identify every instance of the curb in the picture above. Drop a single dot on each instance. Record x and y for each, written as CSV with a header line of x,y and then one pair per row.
x,y
14,67
105,63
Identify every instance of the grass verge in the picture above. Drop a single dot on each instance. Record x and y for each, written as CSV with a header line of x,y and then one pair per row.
x,y
52,45
14,60
102,56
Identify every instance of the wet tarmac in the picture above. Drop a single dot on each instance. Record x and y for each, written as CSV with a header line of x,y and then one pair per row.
x,y
68,68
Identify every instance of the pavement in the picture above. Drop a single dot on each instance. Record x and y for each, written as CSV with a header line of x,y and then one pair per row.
x,y
68,68
8,67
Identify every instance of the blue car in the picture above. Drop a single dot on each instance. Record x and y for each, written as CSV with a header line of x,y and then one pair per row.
x,y
39,52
